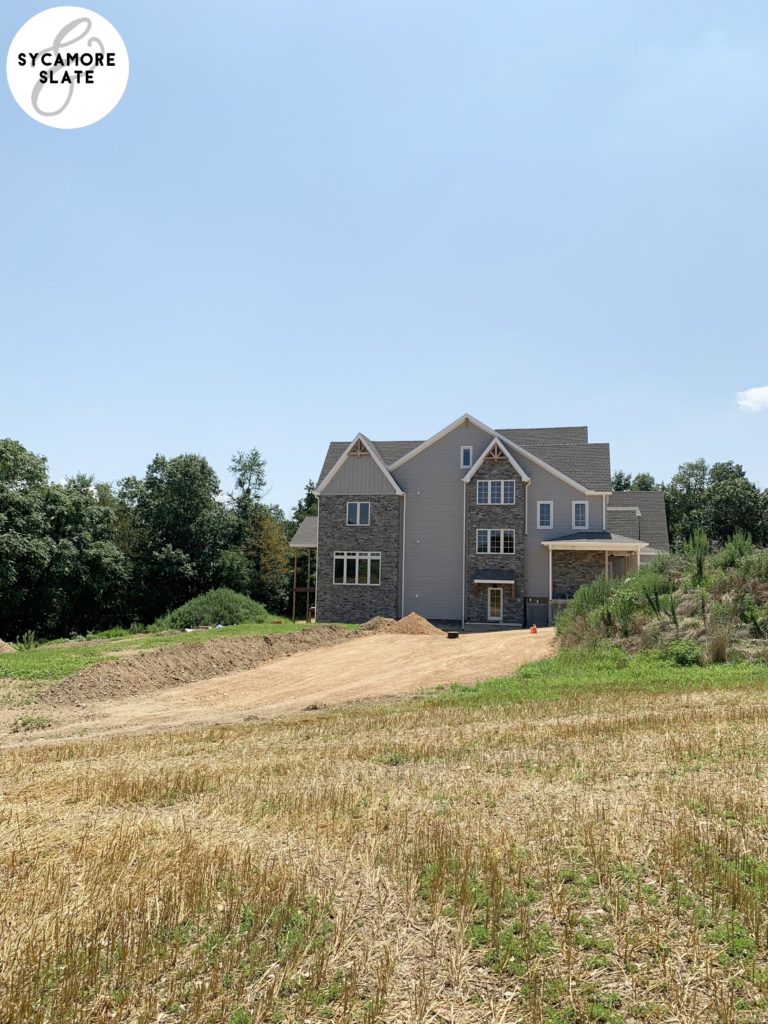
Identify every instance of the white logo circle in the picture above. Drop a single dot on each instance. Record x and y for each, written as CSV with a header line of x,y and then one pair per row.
x,y
67,67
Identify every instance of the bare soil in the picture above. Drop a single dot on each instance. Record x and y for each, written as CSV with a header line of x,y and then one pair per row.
x,y
200,685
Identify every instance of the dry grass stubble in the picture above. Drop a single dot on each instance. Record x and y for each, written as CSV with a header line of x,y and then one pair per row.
x,y
425,863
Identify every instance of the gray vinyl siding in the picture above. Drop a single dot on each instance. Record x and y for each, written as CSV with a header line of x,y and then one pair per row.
x,y
359,475
433,549
545,486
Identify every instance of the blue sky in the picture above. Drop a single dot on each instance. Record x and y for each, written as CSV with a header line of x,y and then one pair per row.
x,y
307,219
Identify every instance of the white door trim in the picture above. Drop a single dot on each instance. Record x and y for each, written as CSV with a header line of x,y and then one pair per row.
x,y
500,616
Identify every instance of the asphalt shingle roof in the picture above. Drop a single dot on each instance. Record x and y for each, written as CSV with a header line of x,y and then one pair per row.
x,y
588,464
653,514
390,451
306,535
546,435
563,448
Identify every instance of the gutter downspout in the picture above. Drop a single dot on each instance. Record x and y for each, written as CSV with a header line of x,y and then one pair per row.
x,y
464,559
402,561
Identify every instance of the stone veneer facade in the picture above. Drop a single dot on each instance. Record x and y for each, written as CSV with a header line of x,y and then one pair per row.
x,y
339,602
572,569
495,517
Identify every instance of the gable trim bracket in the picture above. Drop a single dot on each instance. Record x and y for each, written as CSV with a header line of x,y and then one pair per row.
x,y
353,448
497,443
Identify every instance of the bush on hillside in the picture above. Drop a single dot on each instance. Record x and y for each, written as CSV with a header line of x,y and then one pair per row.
x,y
222,606
695,608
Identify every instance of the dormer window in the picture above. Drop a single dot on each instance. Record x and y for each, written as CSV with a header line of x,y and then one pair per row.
x,y
466,456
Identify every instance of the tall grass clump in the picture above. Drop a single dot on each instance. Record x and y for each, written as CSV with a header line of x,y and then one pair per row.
x,y
217,607
696,550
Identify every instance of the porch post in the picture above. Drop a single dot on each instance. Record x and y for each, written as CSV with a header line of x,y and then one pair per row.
x,y
550,574
295,570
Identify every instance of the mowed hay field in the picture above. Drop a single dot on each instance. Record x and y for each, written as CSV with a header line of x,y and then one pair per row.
x,y
494,855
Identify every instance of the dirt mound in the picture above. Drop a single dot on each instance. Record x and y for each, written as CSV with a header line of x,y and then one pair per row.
x,y
186,663
5,648
411,625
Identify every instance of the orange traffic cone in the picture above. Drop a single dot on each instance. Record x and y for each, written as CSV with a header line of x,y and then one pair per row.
x,y
534,629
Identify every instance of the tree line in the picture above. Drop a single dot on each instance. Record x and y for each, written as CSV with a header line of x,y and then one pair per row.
x,y
718,499
84,555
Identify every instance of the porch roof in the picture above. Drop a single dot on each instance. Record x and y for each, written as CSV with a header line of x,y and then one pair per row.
x,y
494,576
306,535
595,540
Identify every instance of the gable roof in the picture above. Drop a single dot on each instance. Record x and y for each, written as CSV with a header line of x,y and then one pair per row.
x,y
466,418
563,450
390,451
496,441
371,448
653,514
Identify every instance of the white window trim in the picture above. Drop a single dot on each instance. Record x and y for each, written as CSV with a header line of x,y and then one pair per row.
x,y
502,531
586,514
496,504
358,523
551,504
462,463
357,555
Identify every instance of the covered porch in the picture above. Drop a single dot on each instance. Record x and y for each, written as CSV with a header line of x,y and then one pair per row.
x,y
580,558
304,540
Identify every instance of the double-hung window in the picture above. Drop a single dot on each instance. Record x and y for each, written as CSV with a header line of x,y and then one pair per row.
x,y
495,492
495,542
545,515
361,568
580,515
358,513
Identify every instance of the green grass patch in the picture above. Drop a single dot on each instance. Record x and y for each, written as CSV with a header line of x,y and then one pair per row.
x,y
600,670
59,659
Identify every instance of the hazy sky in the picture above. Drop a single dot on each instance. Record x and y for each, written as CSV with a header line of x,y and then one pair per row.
x,y
311,218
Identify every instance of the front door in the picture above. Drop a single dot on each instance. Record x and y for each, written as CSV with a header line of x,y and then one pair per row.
x,y
495,604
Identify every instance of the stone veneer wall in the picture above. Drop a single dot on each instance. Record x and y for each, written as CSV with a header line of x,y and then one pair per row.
x,y
572,569
503,517
337,602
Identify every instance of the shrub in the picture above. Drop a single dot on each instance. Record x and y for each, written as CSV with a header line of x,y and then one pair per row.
x,y
682,652
220,606
736,549
28,641
696,550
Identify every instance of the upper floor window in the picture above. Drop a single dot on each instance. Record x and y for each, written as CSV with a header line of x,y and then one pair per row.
x,y
495,542
466,456
358,513
495,492
544,515
580,515
361,568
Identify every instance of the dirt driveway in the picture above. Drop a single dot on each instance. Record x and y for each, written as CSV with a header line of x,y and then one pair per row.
x,y
371,667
